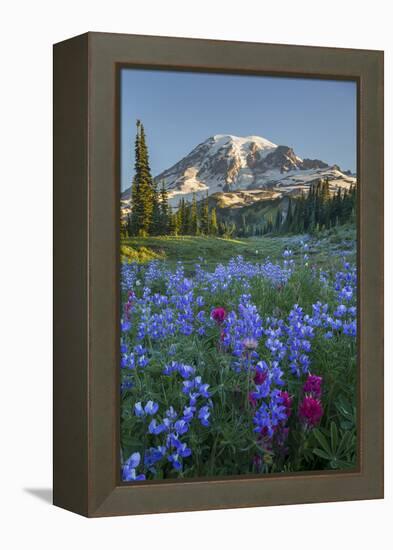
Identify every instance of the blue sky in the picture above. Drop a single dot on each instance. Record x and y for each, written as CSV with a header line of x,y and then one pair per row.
x,y
179,110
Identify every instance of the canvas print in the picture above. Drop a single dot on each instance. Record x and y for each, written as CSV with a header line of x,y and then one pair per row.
x,y
238,278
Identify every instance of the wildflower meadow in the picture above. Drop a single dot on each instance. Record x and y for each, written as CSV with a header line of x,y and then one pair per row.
x,y
239,365
238,346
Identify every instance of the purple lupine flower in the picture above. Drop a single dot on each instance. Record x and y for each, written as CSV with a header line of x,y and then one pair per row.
x,y
155,428
181,427
129,469
203,415
138,409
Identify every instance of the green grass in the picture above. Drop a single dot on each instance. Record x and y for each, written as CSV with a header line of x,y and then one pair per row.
x,y
139,254
324,247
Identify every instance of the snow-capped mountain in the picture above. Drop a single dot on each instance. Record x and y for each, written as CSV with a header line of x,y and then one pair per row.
x,y
236,167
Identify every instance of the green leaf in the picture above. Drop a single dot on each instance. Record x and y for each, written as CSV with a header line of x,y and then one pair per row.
x,y
344,443
322,441
333,436
321,454
346,424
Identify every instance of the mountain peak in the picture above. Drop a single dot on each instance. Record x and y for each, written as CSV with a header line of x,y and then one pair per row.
x,y
222,139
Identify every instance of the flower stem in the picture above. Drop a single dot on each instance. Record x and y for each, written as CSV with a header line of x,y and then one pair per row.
x,y
248,363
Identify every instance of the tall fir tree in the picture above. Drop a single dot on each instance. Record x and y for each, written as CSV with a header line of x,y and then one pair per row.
x,y
136,204
187,219
204,215
278,221
325,202
164,209
128,226
289,216
155,222
181,217
142,192
213,222
173,222
146,184
194,222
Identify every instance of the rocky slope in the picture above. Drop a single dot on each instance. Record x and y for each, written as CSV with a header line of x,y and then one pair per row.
x,y
242,170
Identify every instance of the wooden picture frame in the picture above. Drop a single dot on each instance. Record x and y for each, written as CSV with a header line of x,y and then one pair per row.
x,y
86,273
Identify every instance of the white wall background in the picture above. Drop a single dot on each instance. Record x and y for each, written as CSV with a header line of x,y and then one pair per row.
x,y
28,30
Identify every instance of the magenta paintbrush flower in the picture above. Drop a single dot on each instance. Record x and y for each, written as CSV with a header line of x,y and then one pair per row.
x,y
218,314
310,411
260,377
313,386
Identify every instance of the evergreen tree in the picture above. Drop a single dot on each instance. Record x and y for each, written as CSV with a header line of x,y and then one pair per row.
x,y
164,210
136,205
194,222
227,229
325,204
173,225
146,184
155,224
204,215
289,217
278,221
213,222
181,217
128,226
300,214
269,226
142,192
187,219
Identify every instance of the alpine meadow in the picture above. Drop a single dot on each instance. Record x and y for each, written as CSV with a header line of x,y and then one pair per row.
x,y
238,276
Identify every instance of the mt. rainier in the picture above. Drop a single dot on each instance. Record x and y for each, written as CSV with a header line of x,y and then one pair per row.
x,y
239,166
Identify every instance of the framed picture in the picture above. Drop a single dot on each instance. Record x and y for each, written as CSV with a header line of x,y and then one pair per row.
x,y
218,274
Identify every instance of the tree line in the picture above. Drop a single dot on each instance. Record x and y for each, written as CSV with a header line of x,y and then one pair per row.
x,y
318,209
310,212
190,218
